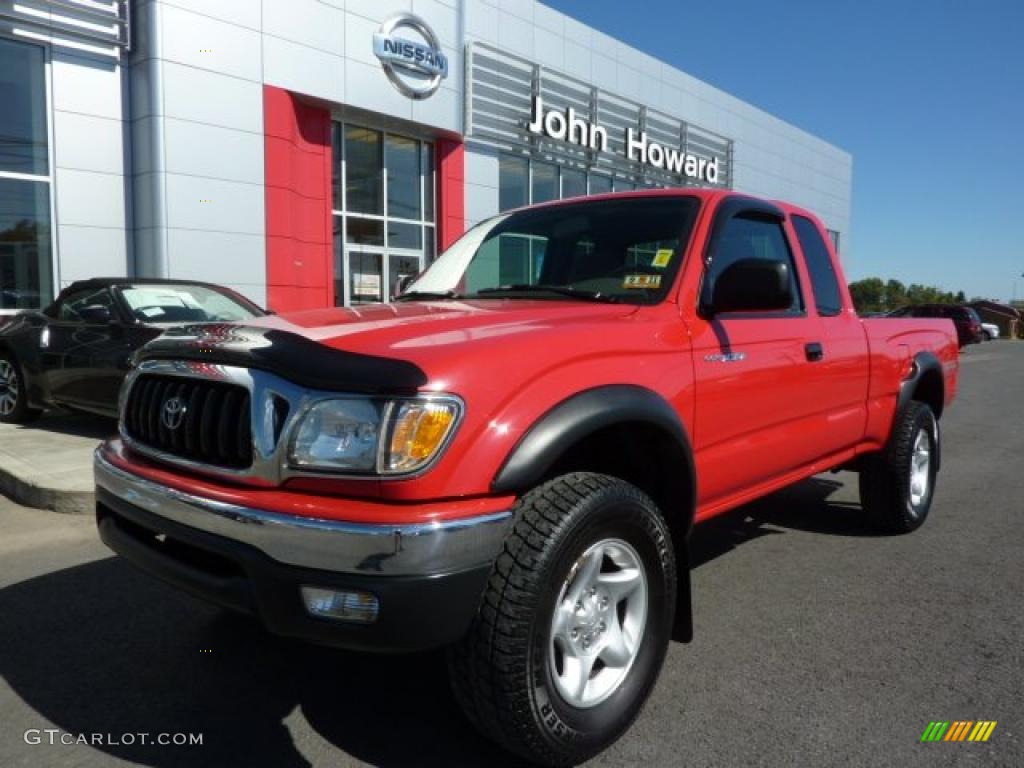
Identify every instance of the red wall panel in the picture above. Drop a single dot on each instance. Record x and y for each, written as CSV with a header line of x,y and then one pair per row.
x,y
451,207
297,168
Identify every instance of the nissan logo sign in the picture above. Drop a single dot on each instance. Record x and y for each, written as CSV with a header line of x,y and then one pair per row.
x,y
416,68
173,413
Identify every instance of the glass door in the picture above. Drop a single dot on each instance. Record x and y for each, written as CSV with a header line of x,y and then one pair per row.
x,y
383,211
365,277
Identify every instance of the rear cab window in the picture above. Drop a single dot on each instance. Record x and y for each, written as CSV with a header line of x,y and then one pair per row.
x,y
827,296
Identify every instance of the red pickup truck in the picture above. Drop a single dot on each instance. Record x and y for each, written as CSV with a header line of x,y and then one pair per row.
x,y
509,458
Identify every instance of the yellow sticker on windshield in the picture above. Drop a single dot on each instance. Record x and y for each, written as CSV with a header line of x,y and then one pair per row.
x,y
641,281
662,257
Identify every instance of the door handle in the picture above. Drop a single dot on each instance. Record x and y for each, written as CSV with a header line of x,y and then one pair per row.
x,y
814,351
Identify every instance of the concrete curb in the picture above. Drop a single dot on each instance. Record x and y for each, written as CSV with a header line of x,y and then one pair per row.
x,y
28,494
47,463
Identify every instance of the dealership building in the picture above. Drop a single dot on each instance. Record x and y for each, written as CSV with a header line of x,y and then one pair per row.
x,y
309,152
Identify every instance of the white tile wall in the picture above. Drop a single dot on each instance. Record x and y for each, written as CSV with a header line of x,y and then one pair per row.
x,y
302,69
87,85
90,199
367,87
91,252
309,22
219,257
197,149
377,10
443,19
359,39
244,13
208,97
443,110
214,205
88,143
481,202
207,43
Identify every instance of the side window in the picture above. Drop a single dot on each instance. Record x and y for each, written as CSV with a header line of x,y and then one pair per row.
x,y
827,296
752,238
72,305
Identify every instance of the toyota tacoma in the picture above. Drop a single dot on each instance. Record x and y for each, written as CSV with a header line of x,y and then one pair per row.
x,y
508,459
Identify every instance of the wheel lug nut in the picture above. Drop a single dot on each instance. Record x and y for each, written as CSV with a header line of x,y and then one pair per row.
x,y
601,627
575,634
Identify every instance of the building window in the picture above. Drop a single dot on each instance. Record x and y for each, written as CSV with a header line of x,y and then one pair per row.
x,y
384,207
26,258
574,183
834,237
525,182
544,182
600,185
513,182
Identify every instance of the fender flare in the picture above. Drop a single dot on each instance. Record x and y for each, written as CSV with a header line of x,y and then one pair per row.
x,y
925,364
583,414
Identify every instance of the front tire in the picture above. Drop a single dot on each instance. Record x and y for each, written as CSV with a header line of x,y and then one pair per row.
x,y
897,484
14,408
574,623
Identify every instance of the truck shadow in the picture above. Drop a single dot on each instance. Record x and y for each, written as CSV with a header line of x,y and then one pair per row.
x,y
806,506
102,649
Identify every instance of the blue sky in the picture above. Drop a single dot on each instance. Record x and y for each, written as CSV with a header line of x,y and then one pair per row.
x,y
928,97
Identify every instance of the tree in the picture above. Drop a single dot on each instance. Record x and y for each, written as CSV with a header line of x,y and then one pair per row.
x,y
895,294
868,294
873,295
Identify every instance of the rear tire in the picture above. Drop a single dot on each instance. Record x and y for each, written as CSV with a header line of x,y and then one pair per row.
x,y
897,484
574,623
14,408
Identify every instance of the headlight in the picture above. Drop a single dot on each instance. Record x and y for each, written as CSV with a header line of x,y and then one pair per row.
x,y
340,435
360,435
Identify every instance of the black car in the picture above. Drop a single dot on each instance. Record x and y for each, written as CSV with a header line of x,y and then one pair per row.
x,y
75,353
966,320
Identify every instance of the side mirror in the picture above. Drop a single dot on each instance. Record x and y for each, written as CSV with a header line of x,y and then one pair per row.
x,y
752,285
96,314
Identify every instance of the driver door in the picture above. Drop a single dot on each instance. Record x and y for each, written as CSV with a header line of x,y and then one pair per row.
x,y
83,357
756,382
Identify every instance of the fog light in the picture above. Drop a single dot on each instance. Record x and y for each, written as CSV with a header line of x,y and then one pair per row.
x,y
357,607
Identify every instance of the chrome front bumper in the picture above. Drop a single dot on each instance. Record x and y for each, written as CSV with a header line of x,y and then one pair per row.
x,y
331,545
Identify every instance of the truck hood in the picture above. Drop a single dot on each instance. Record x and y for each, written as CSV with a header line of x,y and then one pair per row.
x,y
402,347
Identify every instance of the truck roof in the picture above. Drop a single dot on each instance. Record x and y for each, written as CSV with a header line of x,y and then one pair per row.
x,y
705,194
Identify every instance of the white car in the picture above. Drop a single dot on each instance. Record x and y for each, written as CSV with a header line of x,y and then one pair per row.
x,y
989,331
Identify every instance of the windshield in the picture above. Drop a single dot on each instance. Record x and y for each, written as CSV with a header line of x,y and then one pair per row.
x,y
183,304
626,250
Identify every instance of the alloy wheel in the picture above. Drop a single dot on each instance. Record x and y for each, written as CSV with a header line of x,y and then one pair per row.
x,y
9,388
598,623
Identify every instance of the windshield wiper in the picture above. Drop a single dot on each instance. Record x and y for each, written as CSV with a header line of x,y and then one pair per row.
x,y
414,295
561,290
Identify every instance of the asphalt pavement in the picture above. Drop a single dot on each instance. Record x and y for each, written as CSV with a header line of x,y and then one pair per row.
x,y
817,642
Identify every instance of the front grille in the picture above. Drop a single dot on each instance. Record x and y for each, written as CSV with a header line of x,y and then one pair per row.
x,y
215,426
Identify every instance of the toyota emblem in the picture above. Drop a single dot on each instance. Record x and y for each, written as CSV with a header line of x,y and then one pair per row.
x,y
173,413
